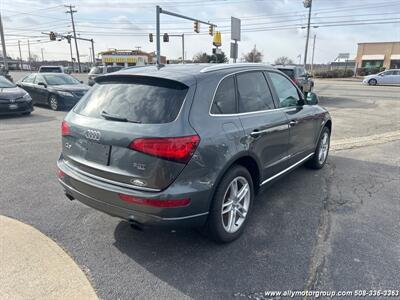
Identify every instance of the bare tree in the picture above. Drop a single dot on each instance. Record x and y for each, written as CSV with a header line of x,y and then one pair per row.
x,y
253,56
283,60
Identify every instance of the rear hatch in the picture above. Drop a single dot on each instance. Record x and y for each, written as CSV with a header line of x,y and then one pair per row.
x,y
131,131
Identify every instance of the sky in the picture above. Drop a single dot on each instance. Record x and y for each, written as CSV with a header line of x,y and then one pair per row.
x,y
274,27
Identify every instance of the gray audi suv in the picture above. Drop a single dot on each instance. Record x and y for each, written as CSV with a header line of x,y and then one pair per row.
x,y
189,144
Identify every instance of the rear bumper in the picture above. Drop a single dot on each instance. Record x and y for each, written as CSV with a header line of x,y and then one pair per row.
x,y
105,198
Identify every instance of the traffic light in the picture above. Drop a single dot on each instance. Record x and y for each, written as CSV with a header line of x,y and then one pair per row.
x,y
211,30
150,37
166,38
217,42
196,26
52,36
69,39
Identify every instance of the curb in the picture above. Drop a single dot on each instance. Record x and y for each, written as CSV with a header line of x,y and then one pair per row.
x,y
35,267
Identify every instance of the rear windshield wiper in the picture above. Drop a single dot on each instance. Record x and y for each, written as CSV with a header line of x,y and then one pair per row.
x,y
118,118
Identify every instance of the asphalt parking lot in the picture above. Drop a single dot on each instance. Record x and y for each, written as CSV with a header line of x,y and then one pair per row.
x,y
333,229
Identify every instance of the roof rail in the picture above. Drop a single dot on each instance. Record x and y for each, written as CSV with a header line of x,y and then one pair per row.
x,y
231,66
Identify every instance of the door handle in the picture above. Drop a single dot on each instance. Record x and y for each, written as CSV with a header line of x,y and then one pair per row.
x,y
293,123
255,134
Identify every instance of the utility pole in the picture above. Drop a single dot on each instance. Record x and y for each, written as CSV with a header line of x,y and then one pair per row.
x,y
71,12
29,56
20,55
72,57
3,44
312,59
90,55
41,49
307,4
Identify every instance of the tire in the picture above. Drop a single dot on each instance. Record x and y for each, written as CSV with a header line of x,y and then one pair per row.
x,y
219,226
53,102
26,113
372,82
321,152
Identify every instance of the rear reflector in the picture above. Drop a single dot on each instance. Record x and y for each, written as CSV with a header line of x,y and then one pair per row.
x,y
65,130
154,202
179,149
60,173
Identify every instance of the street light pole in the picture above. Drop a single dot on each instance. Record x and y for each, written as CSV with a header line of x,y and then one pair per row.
x,y
183,48
93,56
312,59
29,56
158,12
307,4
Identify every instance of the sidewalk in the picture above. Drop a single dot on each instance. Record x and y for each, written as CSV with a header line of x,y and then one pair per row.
x,y
32,266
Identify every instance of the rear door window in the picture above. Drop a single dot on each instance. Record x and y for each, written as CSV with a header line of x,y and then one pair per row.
x,y
137,99
253,92
225,97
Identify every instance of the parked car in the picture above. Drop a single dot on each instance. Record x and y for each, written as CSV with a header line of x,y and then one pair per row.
x,y
56,90
101,70
13,100
52,69
386,77
299,76
188,144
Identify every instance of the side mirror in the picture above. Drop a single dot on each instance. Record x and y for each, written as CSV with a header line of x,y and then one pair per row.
x,y
42,84
81,81
312,98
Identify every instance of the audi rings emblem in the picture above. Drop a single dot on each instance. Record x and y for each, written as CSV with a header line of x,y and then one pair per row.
x,y
93,135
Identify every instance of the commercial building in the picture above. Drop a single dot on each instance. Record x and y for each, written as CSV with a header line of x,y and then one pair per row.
x,y
128,58
378,55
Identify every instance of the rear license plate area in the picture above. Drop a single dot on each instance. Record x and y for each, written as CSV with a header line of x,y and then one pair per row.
x,y
96,152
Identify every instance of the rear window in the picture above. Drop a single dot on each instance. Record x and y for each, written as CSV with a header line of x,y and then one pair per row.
x,y
288,72
138,99
50,70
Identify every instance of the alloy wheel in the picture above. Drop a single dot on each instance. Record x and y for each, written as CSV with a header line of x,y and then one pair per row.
x,y
235,204
53,103
323,148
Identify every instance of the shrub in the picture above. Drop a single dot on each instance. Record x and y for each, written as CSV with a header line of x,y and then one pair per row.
x,y
336,73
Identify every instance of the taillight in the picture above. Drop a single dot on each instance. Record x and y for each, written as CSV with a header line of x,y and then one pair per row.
x,y
60,174
179,149
154,202
65,129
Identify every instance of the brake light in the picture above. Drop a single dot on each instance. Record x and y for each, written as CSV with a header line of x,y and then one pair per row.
x,y
154,202
65,129
179,149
